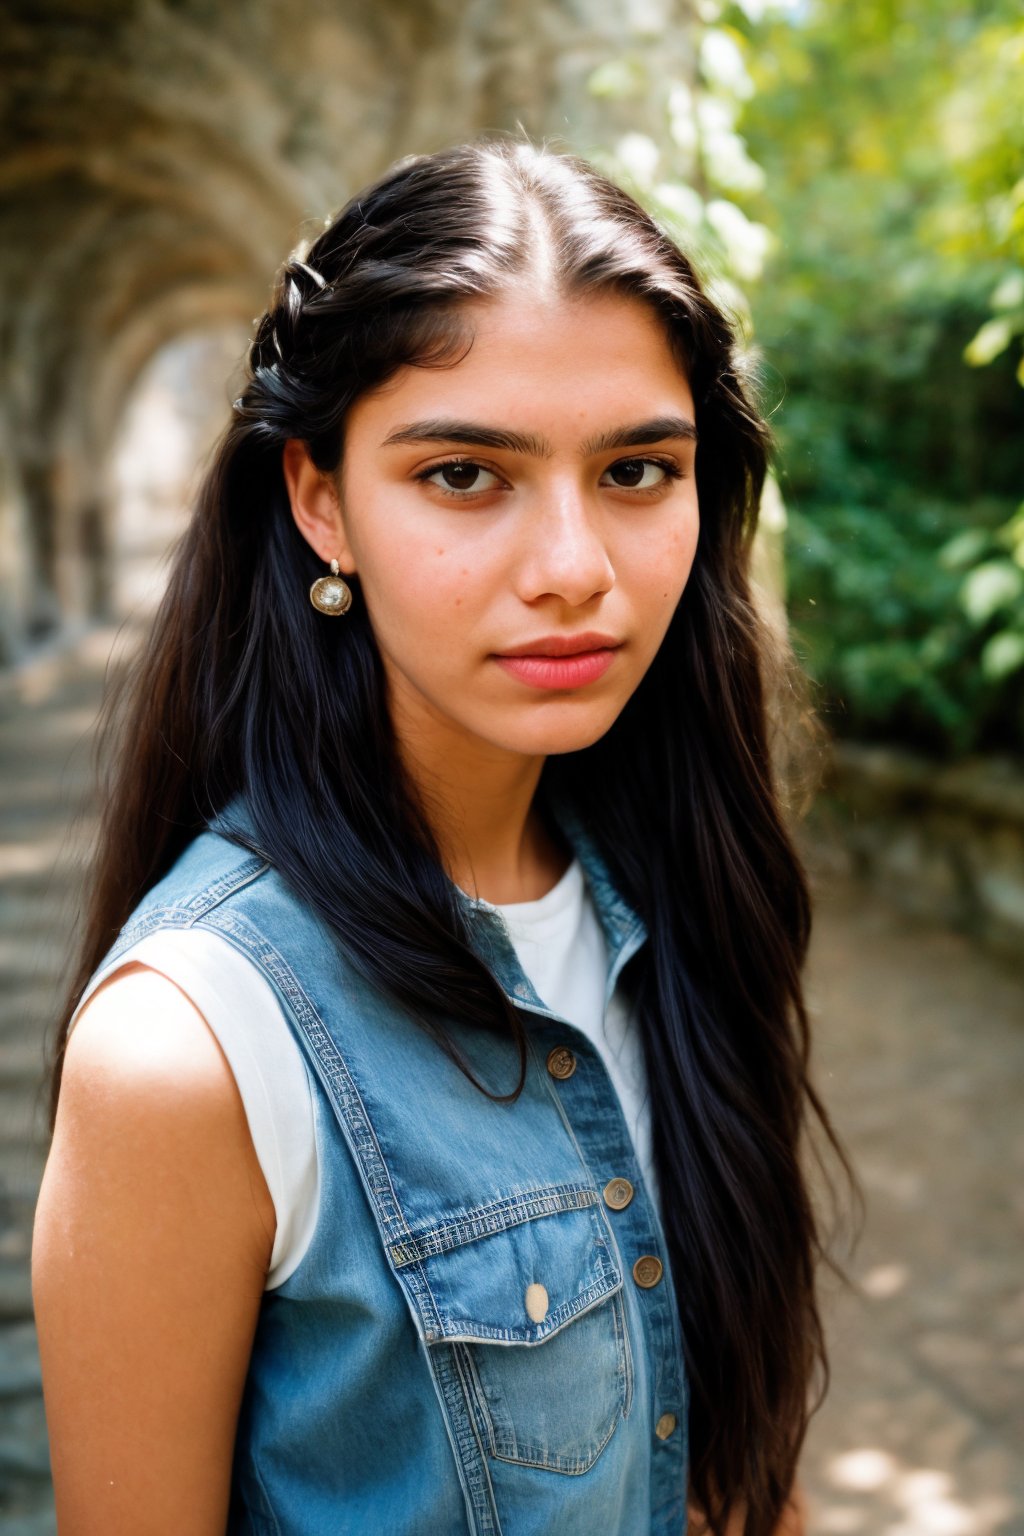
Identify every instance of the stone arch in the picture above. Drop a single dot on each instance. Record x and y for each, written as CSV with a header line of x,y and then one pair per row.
x,y
159,158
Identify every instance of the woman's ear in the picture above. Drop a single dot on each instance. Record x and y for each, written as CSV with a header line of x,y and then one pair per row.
x,y
315,506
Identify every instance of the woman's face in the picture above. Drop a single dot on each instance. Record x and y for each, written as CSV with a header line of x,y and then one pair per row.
x,y
540,489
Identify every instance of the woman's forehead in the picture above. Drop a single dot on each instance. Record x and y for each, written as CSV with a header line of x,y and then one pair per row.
x,y
543,360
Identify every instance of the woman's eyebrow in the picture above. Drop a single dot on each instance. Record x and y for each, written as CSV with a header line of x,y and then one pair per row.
x,y
439,430
641,433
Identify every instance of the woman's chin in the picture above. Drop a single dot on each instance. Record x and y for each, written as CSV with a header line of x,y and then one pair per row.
x,y
553,739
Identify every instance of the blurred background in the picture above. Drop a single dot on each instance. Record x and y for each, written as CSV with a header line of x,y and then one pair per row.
x,y
850,177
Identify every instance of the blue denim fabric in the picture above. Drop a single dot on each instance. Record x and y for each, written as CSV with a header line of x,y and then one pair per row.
x,y
397,1382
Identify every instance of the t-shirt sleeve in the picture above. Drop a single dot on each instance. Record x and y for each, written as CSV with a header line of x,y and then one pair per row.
x,y
243,1011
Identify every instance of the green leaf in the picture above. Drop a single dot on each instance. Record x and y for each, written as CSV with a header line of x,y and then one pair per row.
x,y
1003,655
996,584
964,550
993,337
1011,536
1010,292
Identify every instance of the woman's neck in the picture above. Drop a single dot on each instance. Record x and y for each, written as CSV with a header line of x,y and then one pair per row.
x,y
540,868
495,842
502,858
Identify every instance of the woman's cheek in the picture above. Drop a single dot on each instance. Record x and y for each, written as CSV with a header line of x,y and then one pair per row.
x,y
429,606
410,578
681,555
667,572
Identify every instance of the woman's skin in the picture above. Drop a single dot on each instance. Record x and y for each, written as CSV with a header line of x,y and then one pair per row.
x,y
155,1226
544,542
152,1241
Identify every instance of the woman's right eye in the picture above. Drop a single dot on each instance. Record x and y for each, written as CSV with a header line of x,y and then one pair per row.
x,y
460,477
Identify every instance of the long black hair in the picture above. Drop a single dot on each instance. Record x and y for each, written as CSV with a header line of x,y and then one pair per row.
x,y
244,689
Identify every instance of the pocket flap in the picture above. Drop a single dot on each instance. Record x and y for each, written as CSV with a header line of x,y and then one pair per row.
x,y
514,1271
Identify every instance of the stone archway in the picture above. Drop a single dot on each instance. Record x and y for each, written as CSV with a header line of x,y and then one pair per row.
x,y
158,160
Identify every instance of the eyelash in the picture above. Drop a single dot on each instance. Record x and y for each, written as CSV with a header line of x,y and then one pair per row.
x,y
672,472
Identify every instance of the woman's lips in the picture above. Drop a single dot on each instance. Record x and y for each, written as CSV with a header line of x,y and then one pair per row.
x,y
559,671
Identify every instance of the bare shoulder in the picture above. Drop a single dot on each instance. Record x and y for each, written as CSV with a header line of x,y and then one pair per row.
x,y
152,1237
140,1030
146,1086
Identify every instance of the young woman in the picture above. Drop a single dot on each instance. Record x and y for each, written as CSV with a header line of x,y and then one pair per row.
x,y
428,1151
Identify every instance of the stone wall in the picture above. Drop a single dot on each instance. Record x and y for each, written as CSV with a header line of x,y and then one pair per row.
x,y
938,842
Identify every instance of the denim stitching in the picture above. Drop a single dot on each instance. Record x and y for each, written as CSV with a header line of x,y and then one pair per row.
x,y
604,1286
627,1356
418,1285
533,1456
475,1409
498,1216
510,1448
185,914
338,1078
471,1457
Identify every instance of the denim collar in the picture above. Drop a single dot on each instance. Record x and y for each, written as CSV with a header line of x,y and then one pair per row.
x,y
624,930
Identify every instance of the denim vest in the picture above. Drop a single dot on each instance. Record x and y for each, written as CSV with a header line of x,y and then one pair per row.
x,y
481,1337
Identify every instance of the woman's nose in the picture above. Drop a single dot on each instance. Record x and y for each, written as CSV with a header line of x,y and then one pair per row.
x,y
565,553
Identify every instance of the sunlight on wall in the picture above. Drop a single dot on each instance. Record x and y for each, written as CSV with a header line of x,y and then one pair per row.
x,y
177,409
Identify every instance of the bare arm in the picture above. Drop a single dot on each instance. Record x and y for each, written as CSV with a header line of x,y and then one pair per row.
x,y
152,1238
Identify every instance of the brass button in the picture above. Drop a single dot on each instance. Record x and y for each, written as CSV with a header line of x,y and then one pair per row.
x,y
618,1193
536,1302
561,1062
648,1270
665,1425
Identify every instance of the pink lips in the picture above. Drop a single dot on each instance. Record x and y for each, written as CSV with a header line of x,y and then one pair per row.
x,y
540,671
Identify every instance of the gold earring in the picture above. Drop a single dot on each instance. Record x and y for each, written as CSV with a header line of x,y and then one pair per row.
x,y
331,594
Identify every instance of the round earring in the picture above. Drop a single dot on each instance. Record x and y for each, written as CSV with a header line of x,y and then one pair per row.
x,y
331,594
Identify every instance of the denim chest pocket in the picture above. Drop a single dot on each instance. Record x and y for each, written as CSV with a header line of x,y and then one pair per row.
x,y
529,1294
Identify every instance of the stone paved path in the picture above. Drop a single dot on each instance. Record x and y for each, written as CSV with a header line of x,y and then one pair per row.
x,y
921,1058
921,1050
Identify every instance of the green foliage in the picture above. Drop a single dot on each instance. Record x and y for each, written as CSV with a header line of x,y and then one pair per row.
x,y
909,650
892,141
852,178
990,170
992,593
692,170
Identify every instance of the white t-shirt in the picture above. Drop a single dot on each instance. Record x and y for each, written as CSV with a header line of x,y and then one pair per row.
x,y
561,947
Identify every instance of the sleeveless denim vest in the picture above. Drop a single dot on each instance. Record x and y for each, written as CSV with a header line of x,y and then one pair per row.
x,y
469,1344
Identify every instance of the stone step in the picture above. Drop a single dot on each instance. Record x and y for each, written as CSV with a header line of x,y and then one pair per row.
x,y
20,1373
32,1515
23,1061
24,1453
15,1289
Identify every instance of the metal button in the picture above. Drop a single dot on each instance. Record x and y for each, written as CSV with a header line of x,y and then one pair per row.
x,y
648,1270
536,1302
665,1425
618,1193
561,1062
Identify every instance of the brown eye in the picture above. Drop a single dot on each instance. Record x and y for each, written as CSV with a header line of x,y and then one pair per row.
x,y
630,472
460,477
639,474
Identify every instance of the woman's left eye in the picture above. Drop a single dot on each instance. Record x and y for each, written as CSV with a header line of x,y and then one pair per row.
x,y
460,477
641,474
